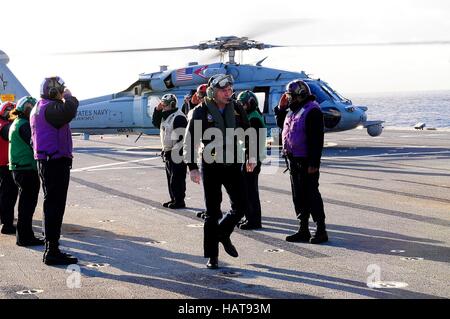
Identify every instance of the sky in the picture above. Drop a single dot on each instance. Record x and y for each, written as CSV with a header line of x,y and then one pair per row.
x,y
33,30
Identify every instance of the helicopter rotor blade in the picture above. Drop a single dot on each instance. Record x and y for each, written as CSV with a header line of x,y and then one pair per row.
x,y
395,43
193,47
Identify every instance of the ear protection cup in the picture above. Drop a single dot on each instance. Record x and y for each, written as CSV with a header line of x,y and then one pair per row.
x,y
253,103
210,93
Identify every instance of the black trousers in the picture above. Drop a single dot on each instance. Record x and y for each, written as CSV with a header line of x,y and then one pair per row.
x,y
55,176
216,225
253,209
176,179
8,196
28,184
305,191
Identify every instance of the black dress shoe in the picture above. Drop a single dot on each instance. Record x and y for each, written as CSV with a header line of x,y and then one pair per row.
x,y
8,230
213,263
249,226
167,204
175,205
228,246
33,241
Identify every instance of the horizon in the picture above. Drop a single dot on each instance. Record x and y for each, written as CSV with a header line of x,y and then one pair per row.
x,y
117,25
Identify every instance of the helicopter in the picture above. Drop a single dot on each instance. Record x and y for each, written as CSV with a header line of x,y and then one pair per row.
x,y
130,111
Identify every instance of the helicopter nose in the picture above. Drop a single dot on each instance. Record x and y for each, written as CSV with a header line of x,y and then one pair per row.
x,y
363,115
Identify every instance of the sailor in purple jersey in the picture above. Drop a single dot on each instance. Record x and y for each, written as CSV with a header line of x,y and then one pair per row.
x,y
303,135
52,146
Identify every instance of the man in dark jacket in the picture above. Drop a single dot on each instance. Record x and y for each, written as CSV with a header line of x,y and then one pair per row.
x,y
214,123
52,146
303,135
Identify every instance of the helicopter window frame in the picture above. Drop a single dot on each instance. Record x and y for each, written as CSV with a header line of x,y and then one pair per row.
x,y
320,94
334,93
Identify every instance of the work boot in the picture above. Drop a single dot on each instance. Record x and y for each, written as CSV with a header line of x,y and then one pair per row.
x,y
54,256
228,246
8,229
175,205
32,241
213,263
167,203
302,235
321,235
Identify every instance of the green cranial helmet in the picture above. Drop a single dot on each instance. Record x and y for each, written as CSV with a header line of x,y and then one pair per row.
x,y
25,102
248,97
169,100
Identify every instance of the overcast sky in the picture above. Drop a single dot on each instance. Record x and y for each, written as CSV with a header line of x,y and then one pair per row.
x,y
32,29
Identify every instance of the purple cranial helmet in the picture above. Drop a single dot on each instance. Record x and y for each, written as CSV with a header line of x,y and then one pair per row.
x,y
298,88
51,86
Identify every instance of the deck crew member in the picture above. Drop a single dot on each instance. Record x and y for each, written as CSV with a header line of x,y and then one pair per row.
x,y
8,189
169,119
52,145
24,171
303,135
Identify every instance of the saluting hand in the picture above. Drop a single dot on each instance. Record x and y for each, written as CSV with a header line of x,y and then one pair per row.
x,y
284,101
195,176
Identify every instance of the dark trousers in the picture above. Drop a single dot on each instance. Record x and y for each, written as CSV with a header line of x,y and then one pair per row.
x,y
253,211
8,196
305,192
28,184
176,179
216,226
55,176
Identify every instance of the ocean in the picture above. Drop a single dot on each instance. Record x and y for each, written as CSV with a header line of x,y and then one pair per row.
x,y
405,109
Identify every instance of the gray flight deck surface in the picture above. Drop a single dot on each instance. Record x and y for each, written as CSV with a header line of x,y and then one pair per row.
x,y
386,198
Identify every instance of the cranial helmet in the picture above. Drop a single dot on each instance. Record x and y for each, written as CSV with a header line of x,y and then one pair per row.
x,y
298,88
50,87
248,97
169,100
6,108
220,81
25,102
201,90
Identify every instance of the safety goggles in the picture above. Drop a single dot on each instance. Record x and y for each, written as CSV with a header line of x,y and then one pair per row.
x,y
222,82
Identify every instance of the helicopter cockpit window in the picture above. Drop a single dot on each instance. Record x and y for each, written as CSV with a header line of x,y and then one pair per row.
x,y
320,94
333,93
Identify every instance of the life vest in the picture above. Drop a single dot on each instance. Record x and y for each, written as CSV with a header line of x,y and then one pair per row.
x,y
3,145
168,138
49,142
20,152
294,131
262,142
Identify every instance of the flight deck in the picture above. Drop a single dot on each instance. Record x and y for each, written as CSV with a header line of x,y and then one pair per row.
x,y
387,202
